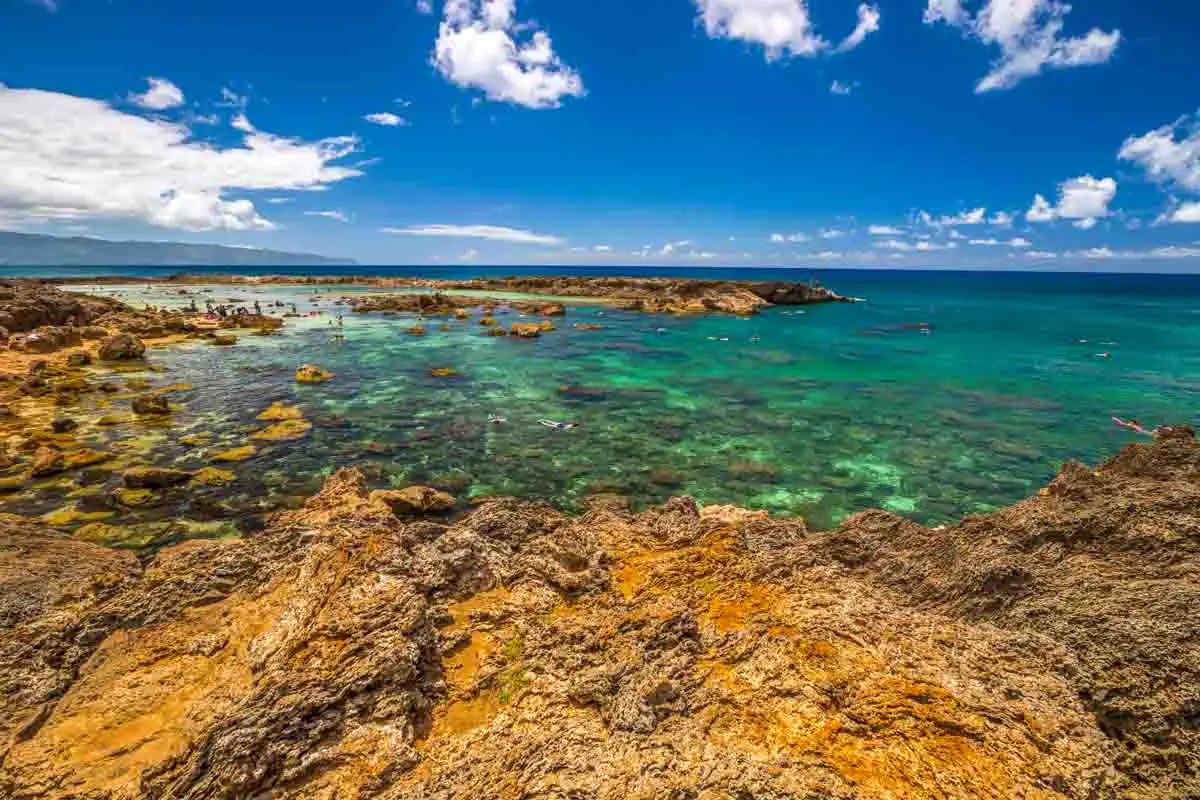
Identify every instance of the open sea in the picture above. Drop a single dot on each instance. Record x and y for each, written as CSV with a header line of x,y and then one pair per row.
x,y
819,411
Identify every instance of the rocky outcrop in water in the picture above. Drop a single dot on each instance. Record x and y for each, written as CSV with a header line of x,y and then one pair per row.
x,y
1048,650
438,304
655,295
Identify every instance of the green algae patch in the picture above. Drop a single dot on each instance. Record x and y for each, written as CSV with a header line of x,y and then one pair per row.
x,y
70,515
133,498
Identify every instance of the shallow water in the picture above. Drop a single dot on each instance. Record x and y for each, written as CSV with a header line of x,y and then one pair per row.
x,y
821,412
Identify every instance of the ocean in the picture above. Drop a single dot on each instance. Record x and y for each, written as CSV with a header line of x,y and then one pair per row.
x,y
946,393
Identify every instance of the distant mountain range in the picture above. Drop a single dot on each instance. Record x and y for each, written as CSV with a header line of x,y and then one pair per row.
x,y
37,250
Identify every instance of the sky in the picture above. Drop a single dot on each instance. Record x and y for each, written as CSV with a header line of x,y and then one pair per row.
x,y
971,134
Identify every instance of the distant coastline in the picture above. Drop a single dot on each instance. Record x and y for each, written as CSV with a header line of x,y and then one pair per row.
x,y
33,250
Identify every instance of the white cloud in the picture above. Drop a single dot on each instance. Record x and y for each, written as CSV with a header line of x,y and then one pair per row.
x,y
339,216
1041,255
1001,219
469,255
1084,200
973,217
387,119
66,157
425,7
496,233
1168,252
278,201
1027,34
602,248
868,23
780,238
923,246
831,233
1166,159
161,95
783,27
884,230
1188,212
476,49
839,88
1016,243
231,99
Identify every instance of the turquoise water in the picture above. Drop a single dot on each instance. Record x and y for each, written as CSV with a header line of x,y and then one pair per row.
x,y
819,412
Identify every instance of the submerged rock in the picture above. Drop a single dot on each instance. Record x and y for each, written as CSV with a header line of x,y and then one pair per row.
x,y
280,411
80,359
310,373
150,405
223,339
286,431
155,477
122,347
443,372
526,330
236,454
47,461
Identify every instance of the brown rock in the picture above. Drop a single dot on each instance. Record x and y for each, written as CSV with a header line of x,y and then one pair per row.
x,y
415,500
150,405
79,359
310,373
46,462
122,347
155,477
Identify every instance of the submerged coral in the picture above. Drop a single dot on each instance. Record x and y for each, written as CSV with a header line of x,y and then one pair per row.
x,y
1046,650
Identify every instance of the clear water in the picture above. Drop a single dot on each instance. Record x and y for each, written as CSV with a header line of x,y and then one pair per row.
x,y
833,409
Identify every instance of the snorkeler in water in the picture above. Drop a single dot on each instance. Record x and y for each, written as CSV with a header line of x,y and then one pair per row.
x,y
1131,424
558,426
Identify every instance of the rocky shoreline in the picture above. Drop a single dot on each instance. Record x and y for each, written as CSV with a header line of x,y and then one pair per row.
x,y
369,645
401,643
651,295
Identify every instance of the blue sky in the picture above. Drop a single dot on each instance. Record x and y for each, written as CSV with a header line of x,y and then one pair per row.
x,y
678,132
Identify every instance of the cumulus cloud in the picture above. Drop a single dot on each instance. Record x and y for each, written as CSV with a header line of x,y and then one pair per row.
x,y
1083,200
884,230
839,88
831,233
387,119
477,48
497,233
1027,32
783,27
159,96
781,238
67,157
1188,212
1169,155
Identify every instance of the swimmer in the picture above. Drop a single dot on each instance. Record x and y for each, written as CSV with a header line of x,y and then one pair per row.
x,y
558,426
756,339
496,419
1133,425
1103,355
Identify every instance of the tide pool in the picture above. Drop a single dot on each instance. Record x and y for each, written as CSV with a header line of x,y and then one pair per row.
x,y
820,411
